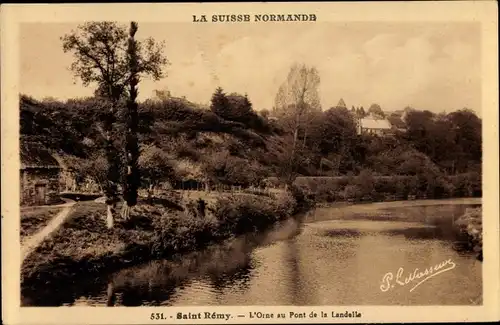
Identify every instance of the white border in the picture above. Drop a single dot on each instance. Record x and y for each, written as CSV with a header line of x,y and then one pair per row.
x,y
428,11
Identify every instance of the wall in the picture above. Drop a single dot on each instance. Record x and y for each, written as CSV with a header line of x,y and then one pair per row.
x,y
48,182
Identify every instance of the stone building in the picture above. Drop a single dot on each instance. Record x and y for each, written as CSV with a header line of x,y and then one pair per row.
x,y
39,175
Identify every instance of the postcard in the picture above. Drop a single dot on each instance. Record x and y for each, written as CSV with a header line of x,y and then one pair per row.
x,y
217,163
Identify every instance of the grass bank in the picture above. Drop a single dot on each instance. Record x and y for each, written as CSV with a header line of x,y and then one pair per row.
x,y
33,219
158,229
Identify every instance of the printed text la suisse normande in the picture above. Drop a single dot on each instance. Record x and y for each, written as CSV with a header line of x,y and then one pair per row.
x,y
255,18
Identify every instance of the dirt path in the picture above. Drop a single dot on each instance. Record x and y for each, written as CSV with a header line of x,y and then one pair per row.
x,y
33,241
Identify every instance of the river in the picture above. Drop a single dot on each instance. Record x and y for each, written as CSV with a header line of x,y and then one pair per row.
x,y
336,256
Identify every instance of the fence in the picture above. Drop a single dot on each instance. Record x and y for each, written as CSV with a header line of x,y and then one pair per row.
x,y
233,189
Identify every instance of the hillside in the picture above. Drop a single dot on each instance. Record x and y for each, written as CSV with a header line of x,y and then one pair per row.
x,y
182,141
195,142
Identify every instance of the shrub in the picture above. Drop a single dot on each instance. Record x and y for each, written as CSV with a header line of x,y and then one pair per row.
x,y
287,203
244,213
365,184
352,192
466,185
471,226
180,232
437,187
323,189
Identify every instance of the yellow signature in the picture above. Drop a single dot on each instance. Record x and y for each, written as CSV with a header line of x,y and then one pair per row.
x,y
389,282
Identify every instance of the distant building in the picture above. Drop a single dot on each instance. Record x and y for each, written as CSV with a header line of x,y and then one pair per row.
x,y
39,175
373,125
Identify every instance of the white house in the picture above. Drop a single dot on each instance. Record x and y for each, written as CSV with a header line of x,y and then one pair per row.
x,y
373,125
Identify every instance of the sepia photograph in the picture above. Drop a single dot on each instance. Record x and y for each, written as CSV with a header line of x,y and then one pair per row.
x,y
237,158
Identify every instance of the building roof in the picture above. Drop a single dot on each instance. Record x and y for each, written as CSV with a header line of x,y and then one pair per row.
x,y
379,124
33,155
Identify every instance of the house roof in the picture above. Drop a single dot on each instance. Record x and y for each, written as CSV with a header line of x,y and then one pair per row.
x,y
380,124
33,155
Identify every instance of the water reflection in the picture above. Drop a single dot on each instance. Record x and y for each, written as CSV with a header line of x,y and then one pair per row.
x,y
342,233
294,277
416,233
326,262
218,268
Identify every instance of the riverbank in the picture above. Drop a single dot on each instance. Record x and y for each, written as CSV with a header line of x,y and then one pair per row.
x,y
470,226
367,187
401,203
157,229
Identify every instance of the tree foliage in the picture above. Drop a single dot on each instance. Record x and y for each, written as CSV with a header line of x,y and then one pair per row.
x,y
451,140
376,110
100,57
220,103
297,97
155,166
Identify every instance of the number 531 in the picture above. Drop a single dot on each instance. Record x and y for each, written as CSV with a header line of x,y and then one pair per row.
x,y
156,316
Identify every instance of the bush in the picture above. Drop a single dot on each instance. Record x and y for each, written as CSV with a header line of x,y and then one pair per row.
x,y
245,214
180,232
466,185
294,201
352,193
323,189
365,186
470,225
240,214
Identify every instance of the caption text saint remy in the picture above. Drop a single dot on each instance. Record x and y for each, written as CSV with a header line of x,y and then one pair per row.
x,y
256,18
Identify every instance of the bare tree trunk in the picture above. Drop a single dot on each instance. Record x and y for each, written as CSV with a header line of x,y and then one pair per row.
x,y
113,171
109,216
150,190
291,167
110,293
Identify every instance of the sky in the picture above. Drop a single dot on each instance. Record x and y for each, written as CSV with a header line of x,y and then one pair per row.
x,y
433,66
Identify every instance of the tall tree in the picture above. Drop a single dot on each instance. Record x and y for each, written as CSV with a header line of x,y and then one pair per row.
x,y
220,103
296,100
132,177
240,108
100,59
335,136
